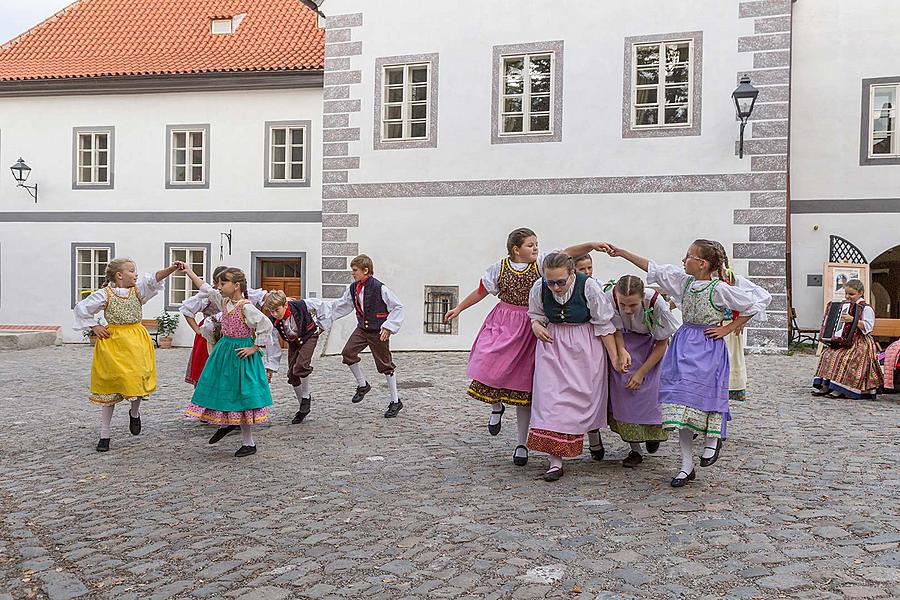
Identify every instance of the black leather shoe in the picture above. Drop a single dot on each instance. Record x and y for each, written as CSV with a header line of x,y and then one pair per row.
x,y
103,445
134,424
361,393
681,481
705,462
819,392
392,409
598,454
495,429
221,432
304,410
632,460
520,461
652,447
553,474
245,451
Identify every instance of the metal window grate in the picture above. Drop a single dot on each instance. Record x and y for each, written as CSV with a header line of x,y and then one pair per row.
x,y
439,300
842,251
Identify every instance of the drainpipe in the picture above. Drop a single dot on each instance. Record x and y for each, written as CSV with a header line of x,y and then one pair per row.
x,y
788,270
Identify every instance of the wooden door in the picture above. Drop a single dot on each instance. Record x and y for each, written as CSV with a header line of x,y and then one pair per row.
x,y
281,274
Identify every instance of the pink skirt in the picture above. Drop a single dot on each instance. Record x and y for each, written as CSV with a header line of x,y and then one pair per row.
x,y
502,356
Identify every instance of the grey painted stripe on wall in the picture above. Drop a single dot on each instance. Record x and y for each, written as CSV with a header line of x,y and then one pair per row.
x,y
845,205
273,216
739,182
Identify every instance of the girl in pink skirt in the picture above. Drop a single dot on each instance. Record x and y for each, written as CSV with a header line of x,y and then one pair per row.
x,y
501,364
572,318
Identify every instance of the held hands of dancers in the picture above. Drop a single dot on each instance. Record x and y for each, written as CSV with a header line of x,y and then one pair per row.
x,y
624,362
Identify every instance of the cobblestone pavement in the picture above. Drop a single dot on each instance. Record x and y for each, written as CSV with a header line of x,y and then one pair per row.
x,y
802,504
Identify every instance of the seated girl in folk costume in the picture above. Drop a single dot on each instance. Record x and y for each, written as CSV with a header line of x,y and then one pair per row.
x,y
854,371
233,389
572,319
644,323
501,364
693,389
124,365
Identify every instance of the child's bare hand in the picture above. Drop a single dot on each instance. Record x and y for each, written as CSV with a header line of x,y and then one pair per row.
x,y
717,333
269,375
246,352
452,314
100,331
634,382
541,332
846,318
384,335
624,361
602,247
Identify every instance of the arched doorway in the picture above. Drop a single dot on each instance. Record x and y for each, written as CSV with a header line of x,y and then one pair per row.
x,y
885,272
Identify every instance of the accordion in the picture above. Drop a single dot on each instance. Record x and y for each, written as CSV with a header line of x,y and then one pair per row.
x,y
835,332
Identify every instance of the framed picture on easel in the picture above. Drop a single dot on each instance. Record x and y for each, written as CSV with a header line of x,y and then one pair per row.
x,y
834,276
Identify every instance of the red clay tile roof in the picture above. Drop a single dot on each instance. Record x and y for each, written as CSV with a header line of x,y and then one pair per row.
x,y
97,38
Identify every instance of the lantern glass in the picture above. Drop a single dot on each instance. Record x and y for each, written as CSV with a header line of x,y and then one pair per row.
x,y
20,171
744,98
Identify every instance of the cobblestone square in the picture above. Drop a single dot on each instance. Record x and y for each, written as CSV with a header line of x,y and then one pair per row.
x,y
802,504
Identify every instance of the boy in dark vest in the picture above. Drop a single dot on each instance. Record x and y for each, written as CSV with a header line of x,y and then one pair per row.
x,y
379,314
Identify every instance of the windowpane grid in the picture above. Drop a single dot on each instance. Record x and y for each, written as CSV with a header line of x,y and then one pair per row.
x,y
93,158
188,157
405,103
90,270
287,154
662,84
180,286
525,104
883,140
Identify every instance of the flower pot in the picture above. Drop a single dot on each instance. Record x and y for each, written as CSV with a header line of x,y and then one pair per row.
x,y
165,342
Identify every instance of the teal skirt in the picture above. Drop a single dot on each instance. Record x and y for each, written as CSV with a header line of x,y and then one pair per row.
x,y
230,383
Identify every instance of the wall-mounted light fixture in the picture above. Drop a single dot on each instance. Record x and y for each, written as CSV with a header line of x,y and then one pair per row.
x,y
20,172
744,98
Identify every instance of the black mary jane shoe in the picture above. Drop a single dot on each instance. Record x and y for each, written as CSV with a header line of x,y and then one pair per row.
x,y
103,445
706,462
134,424
245,451
554,474
520,461
222,432
598,454
361,393
304,410
392,409
652,447
632,460
820,392
495,429
681,481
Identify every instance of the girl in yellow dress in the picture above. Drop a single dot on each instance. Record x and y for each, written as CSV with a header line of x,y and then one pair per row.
x,y
124,367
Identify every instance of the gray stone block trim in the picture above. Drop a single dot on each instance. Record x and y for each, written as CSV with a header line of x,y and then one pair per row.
x,y
341,63
769,129
341,149
773,93
865,124
342,77
768,41
110,132
334,263
340,120
341,106
696,87
758,216
332,291
653,184
769,111
340,249
773,285
335,177
134,216
345,49
336,92
826,206
772,24
763,146
555,48
766,76
768,233
337,35
307,154
779,302
378,143
343,277
774,58
347,20
763,268
340,220
769,163
334,235
764,8
339,164
759,250
772,340
334,206
768,199
344,134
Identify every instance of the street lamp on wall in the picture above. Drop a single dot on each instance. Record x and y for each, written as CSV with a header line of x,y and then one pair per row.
x,y
20,172
744,97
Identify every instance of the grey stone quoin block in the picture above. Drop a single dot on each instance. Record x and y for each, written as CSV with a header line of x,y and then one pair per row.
x,y
335,177
334,206
764,8
759,250
768,233
768,199
773,267
336,263
759,216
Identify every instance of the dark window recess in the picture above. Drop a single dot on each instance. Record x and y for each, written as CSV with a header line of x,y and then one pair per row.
x,y
272,268
438,301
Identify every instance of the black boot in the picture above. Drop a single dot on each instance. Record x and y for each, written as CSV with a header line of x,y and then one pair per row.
x,y
361,393
103,445
304,410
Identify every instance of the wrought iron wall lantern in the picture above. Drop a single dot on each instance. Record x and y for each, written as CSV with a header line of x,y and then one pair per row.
x,y
20,172
744,99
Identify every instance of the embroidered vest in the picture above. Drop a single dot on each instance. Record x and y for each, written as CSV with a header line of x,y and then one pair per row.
x,y
300,325
698,306
123,311
575,310
374,311
513,286
233,324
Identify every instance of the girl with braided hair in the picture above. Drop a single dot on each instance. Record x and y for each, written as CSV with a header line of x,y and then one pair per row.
x,y
693,389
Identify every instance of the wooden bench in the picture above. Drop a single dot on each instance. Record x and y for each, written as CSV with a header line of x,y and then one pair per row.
x,y
150,325
889,328
799,334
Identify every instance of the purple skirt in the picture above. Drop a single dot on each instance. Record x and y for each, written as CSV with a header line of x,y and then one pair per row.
x,y
694,371
640,406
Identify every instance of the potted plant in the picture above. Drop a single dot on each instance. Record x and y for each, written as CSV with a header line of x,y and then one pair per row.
x,y
166,324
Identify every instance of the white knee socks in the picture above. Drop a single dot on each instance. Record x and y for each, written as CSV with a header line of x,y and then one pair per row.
x,y
106,413
356,369
686,442
710,447
247,435
496,407
392,387
135,410
523,422
304,387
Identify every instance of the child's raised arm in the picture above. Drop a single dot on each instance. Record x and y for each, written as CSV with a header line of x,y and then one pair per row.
x,y
190,273
175,266
639,261
585,248
472,299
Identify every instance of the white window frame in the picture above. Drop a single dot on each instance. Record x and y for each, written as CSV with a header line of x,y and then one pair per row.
x,y
892,117
171,150
189,289
406,121
288,147
94,151
661,85
97,275
525,95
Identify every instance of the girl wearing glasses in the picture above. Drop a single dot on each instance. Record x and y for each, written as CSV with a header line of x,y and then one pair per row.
x,y
572,318
644,325
693,389
501,364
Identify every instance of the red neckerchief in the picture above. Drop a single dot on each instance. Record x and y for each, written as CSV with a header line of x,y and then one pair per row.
x,y
287,313
359,289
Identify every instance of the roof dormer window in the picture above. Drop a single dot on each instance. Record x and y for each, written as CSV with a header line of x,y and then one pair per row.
x,y
225,25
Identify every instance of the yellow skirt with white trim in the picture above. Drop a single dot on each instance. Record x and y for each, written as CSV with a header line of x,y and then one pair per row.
x,y
124,366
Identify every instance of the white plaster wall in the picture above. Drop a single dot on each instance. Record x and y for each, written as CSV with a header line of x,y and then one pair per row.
x,y
432,241
594,34
40,131
36,275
